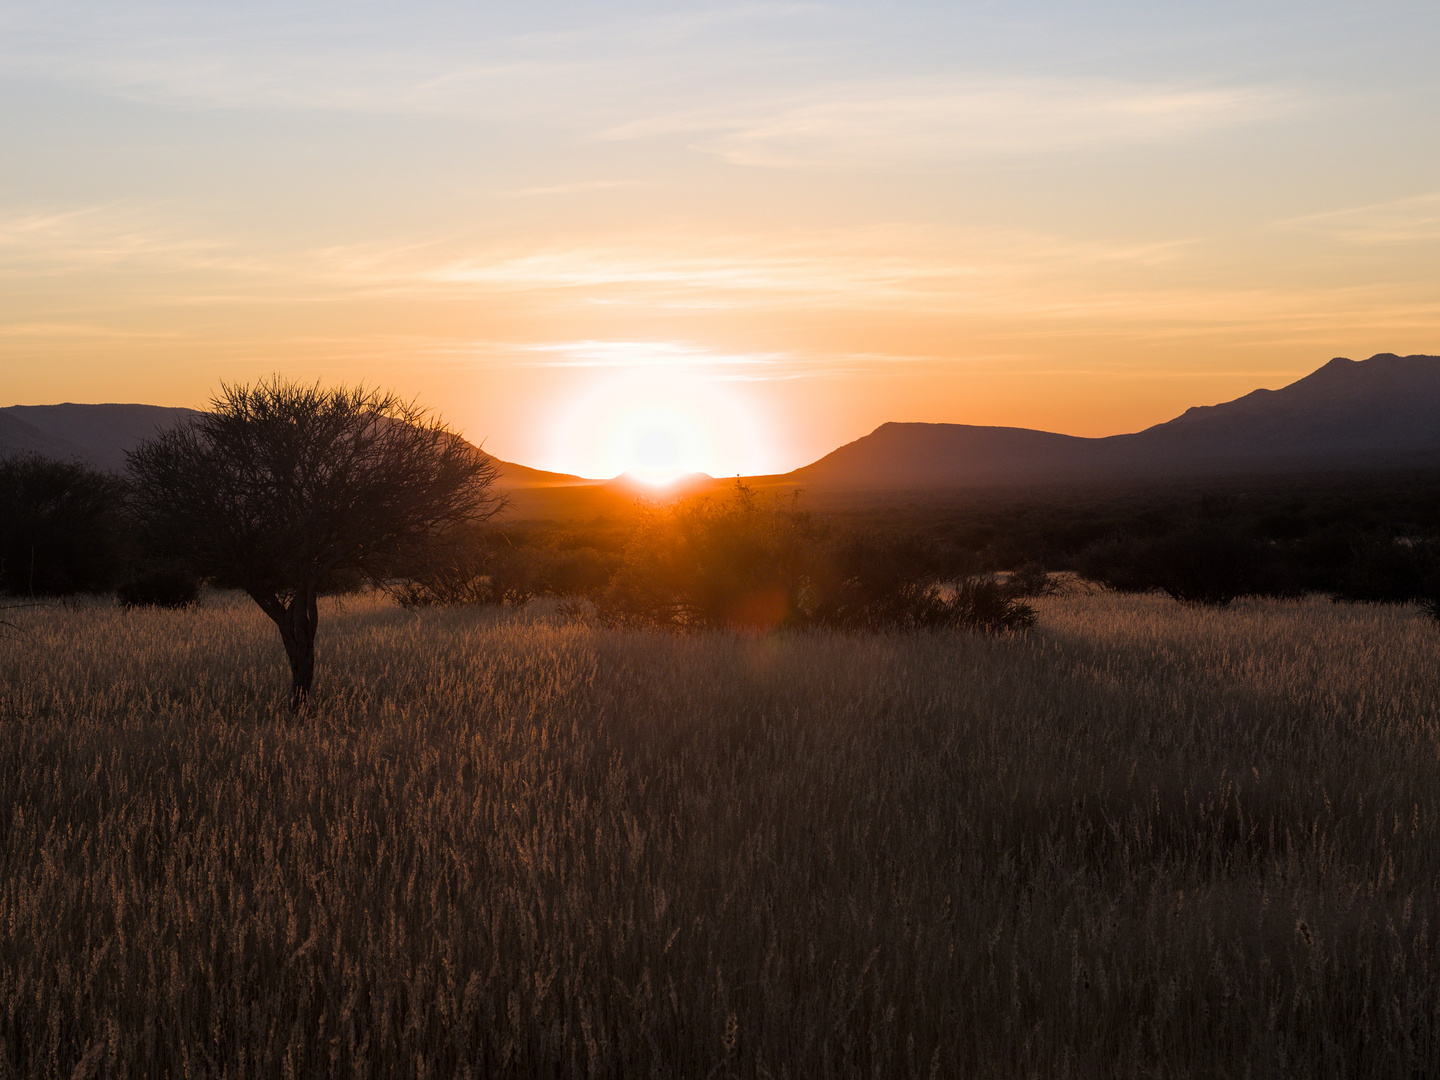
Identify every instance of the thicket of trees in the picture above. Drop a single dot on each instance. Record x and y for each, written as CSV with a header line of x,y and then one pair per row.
x,y
1208,565
62,528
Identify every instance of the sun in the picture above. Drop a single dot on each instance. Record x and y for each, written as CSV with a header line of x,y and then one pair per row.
x,y
658,442
658,427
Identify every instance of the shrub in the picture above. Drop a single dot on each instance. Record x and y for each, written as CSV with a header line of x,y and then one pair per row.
x,y
1202,564
164,587
484,566
874,582
451,570
1032,579
736,562
985,604
746,563
1394,571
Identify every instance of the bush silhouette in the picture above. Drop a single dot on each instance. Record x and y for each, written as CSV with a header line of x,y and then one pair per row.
x,y
736,562
1395,571
160,586
1205,563
61,528
487,566
747,563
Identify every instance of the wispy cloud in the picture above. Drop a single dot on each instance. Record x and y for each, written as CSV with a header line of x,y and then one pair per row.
x,y
671,359
810,97
112,236
581,187
881,268
1399,221
663,355
1001,286
957,118
498,61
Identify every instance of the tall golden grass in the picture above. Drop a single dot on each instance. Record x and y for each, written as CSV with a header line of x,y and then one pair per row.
x,y
1138,840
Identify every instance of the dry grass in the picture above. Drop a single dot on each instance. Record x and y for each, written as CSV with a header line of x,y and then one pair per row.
x,y
1140,840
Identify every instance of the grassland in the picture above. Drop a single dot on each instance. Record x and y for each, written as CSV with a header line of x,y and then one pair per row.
x,y
1140,839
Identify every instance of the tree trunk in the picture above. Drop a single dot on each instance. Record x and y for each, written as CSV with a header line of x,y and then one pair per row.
x,y
297,621
304,616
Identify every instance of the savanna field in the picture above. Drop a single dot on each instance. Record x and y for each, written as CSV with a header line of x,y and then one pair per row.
x,y
1140,839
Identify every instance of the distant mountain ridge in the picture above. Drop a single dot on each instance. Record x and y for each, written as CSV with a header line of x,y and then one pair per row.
x,y
1377,412
1380,412
99,435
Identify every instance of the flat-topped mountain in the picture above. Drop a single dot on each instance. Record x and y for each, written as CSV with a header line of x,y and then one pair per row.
x,y
940,455
1384,411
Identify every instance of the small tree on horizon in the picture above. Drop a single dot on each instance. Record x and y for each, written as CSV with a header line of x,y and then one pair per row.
x,y
281,487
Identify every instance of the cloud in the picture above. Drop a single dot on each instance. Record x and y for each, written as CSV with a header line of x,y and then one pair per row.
x,y
877,268
501,62
1401,221
944,119
133,247
269,56
663,359
667,355
754,84
1001,285
579,187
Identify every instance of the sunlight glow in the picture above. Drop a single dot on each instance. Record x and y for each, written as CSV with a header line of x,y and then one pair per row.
x,y
658,424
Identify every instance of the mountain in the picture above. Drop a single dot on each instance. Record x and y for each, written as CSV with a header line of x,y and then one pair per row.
x,y
940,455
1380,412
1384,407
99,435
1384,411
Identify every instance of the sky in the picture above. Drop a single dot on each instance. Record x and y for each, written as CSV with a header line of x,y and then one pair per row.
x,y
727,237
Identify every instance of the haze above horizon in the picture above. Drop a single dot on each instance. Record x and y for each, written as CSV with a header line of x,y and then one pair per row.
x,y
715,237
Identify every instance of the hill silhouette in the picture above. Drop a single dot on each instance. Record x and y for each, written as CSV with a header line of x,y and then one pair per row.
x,y
1384,411
1381,412
99,435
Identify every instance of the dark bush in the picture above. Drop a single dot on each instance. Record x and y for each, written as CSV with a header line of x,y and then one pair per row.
x,y
1395,571
453,569
1202,564
164,587
986,604
739,562
1386,570
61,528
1032,579
867,582
742,562
485,566
584,571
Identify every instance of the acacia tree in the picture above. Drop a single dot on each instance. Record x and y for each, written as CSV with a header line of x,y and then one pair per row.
x,y
280,488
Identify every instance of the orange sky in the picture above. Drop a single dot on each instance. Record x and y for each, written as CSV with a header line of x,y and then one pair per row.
x,y
744,233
